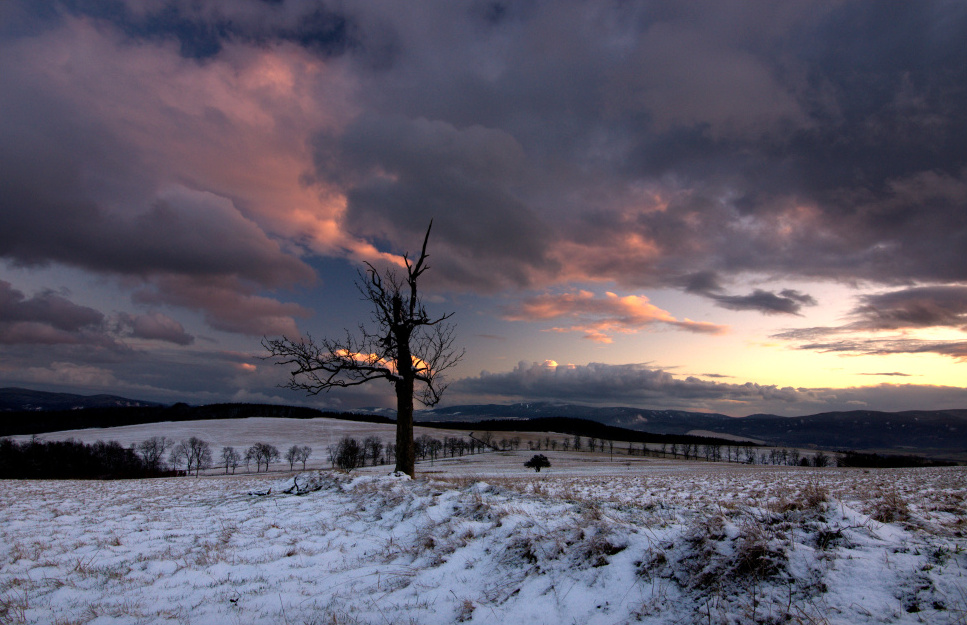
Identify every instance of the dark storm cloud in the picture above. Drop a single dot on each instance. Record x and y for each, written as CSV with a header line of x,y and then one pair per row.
x,y
399,174
183,231
822,141
635,142
706,283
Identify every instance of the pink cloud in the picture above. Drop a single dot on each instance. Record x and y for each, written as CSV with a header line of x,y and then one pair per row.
x,y
227,303
155,326
601,317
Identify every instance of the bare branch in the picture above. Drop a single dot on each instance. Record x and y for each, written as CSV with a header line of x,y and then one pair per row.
x,y
405,347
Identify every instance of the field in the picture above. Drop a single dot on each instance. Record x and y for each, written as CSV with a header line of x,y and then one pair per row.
x,y
480,539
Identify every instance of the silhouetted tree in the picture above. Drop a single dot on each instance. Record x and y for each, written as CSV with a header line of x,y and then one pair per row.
x,y
407,346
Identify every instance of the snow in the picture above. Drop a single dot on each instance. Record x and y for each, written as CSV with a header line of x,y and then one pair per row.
x,y
481,539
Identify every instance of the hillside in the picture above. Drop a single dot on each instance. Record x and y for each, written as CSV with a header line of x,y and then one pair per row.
x,y
922,431
22,399
939,433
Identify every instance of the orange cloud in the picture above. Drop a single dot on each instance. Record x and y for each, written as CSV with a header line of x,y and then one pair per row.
x,y
599,318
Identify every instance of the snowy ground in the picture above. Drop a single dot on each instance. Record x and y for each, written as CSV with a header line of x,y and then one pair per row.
x,y
482,540
319,434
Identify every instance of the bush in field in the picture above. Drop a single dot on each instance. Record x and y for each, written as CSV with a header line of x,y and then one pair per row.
x,y
538,462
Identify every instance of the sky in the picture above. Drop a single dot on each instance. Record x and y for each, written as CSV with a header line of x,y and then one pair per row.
x,y
717,206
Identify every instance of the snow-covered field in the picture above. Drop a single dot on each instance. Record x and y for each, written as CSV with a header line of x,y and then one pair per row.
x,y
482,540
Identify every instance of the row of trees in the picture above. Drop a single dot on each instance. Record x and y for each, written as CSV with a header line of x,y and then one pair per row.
x,y
745,453
350,453
195,454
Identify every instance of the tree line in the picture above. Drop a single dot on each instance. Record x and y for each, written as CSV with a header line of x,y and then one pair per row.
x,y
158,456
351,453
72,459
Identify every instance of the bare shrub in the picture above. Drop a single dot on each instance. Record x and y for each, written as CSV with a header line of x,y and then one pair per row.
x,y
890,507
465,611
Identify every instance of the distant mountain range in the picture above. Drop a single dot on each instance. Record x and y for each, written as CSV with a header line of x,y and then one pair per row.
x,y
931,432
939,433
20,399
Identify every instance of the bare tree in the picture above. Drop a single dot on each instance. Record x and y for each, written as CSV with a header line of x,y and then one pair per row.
x,y
292,455
230,458
181,455
304,452
262,453
201,453
407,346
194,453
153,450
349,454
374,446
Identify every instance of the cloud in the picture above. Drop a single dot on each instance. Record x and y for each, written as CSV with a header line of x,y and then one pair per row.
x,y
48,318
184,231
919,307
787,302
633,384
71,375
889,374
155,326
888,346
885,323
600,318
202,154
168,181
397,174
648,143
228,304
641,386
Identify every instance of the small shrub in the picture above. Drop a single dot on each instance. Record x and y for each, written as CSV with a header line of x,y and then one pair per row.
x,y
538,462
890,507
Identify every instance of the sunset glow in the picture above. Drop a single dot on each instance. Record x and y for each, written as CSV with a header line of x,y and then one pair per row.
x,y
693,206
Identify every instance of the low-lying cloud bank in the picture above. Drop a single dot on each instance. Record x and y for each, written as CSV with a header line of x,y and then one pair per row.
x,y
641,386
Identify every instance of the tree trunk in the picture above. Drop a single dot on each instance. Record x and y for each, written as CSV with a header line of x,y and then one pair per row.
x,y
405,450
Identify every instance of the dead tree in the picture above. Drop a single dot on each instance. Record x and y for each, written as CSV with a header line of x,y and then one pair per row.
x,y
406,347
